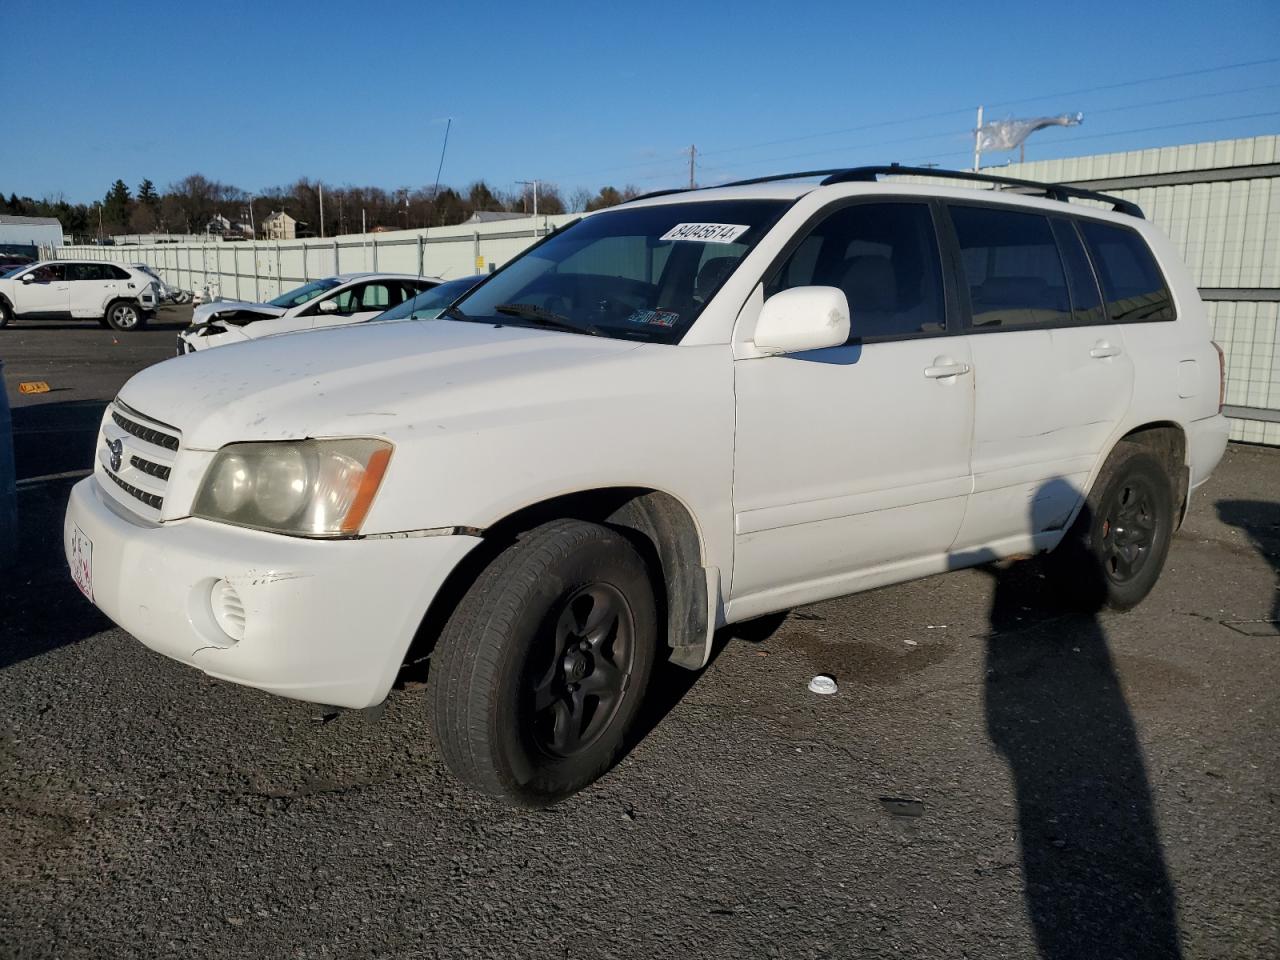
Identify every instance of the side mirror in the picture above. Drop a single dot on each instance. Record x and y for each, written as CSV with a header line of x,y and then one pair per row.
x,y
328,306
28,278
803,318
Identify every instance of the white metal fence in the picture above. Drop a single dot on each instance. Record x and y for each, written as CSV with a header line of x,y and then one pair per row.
x,y
261,269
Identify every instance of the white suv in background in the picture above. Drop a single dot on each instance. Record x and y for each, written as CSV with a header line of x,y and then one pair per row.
x,y
118,296
692,409
333,301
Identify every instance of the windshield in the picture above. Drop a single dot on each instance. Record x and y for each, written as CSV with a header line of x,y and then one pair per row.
x,y
430,303
643,273
8,270
303,294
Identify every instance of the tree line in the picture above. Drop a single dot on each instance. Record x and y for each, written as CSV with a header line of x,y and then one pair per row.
x,y
191,204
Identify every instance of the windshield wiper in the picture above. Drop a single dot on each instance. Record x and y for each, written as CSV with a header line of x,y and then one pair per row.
x,y
547,318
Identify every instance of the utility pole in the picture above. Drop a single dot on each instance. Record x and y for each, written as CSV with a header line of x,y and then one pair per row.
x,y
443,147
977,143
534,184
320,187
693,156
253,229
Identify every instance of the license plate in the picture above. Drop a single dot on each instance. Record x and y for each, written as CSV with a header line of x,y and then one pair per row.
x,y
81,560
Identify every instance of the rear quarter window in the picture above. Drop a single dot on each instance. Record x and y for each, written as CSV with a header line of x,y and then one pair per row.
x,y
1132,284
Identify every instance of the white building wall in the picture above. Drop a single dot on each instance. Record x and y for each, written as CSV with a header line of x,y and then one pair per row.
x,y
31,234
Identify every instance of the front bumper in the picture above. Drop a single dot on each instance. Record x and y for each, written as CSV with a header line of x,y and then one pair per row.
x,y
325,621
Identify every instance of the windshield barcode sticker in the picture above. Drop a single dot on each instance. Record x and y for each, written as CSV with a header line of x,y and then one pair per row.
x,y
706,232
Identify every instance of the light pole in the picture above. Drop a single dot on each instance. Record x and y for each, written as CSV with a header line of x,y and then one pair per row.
x,y
534,184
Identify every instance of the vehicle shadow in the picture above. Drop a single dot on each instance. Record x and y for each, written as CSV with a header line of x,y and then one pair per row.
x,y
1094,873
55,437
670,683
1260,520
40,607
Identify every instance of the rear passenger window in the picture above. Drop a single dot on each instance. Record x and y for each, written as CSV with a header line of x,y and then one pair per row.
x,y
884,256
1012,268
1131,281
1086,302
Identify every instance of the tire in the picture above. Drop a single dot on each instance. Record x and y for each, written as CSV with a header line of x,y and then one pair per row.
x,y
6,313
125,315
1115,550
514,678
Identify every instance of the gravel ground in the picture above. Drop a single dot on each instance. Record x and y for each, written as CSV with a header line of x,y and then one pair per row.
x,y
995,778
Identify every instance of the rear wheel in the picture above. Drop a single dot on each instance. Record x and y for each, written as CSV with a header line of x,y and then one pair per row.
x,y
124,315
1114,552
541,669
6,313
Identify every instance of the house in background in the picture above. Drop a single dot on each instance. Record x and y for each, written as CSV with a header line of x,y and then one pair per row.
x,y
280,226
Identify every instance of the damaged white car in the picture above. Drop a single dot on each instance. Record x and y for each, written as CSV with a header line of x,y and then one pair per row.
x,y
330,302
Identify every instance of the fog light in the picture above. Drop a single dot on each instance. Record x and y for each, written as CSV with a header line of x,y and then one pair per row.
x,y
228,610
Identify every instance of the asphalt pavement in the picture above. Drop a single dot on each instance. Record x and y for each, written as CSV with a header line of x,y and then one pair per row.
x,y
996,777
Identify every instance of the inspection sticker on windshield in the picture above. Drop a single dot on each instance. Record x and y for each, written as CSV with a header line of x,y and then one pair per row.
x,y
654,318
706,232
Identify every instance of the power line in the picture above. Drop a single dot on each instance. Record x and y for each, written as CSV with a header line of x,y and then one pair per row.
x,y
1134,83
1121,133
937,115
939,136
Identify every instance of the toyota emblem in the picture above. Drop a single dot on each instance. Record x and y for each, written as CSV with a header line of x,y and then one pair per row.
x,y
117,450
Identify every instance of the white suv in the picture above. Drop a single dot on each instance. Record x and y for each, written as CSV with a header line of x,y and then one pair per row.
x,y
333,301
121,297
692,409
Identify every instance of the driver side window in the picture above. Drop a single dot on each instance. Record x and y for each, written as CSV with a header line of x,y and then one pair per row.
x,y
884,256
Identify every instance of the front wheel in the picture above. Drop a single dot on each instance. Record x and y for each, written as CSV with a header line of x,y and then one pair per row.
x,y
1114,552
6,314
123,315
542,668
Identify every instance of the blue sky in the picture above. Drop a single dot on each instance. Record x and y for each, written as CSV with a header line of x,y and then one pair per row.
x,y
584,94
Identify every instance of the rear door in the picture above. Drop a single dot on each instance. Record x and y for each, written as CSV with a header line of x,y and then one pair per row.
x,y
47,293
92,285
1052,376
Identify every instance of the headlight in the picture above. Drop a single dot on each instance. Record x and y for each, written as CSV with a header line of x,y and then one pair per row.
x,y
306,488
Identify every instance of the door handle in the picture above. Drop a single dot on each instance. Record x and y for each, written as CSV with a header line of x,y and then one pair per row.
x,y
1103,349
944,368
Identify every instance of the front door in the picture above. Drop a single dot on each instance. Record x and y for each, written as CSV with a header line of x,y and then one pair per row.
x,y
47,292
852,463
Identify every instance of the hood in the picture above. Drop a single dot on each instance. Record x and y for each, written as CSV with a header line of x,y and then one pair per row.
x,y
211,311
378,379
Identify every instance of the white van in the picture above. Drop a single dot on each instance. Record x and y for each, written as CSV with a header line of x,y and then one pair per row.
x,y
692,409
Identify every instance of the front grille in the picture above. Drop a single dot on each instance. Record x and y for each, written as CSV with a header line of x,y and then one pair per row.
x,y
136,453
150,499
146,433
157,470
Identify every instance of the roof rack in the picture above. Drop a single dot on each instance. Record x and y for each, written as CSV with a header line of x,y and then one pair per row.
x,y
1054,191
